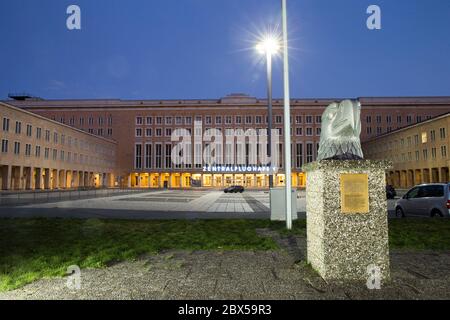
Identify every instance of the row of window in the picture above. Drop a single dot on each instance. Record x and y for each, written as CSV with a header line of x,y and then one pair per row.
x,y
100,132
442,134
404,157
55,137
179,120
148,155
249,119
399,118
53,153
158,132
228,119
416,140
378,130
80,121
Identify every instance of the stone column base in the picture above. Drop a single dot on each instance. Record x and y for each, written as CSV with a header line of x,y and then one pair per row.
x,y
346,246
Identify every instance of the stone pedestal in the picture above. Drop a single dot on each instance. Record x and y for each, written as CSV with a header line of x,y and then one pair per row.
x,y
341,246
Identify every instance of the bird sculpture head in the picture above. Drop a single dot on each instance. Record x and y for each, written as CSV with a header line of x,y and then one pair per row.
x,y
341,128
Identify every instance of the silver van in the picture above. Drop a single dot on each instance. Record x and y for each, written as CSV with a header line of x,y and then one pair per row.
x,y
425,200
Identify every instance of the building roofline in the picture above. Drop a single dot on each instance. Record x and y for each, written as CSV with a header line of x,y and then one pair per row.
x,y
442,116
232,100
56,122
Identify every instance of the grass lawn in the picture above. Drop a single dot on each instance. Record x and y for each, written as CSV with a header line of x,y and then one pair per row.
x,y
35,248
31,249
419,234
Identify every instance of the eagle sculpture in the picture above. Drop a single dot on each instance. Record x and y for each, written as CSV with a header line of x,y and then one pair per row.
x,y
341,128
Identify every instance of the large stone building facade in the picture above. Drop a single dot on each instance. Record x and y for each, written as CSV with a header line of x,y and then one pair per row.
x,y
420,152
38,153
142,130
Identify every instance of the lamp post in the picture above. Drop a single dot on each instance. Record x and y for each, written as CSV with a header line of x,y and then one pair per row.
x,y
287,119
269,46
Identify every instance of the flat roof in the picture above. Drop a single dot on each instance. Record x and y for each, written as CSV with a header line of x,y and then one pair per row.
x,y
228,100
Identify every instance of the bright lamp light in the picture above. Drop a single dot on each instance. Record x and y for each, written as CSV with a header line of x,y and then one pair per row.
x,y
269,45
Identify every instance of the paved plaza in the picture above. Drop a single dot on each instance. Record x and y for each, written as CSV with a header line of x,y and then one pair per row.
x,y
174,201
161,204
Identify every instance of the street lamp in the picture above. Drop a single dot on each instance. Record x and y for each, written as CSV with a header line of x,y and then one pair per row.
x,y
287,118
269,46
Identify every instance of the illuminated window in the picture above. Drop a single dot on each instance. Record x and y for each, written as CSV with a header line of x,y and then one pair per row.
x,y
424,137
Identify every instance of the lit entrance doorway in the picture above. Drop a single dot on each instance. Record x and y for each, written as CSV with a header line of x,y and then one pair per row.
x,y
196,180
97,180
207,180
142,180
249,180
154,180
176,180
260,180
239,179
228,180
186,180
280,180
217,180
165,183
298,180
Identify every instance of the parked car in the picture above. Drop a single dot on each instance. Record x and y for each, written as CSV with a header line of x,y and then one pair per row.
x,y
426,199
390,192
234,189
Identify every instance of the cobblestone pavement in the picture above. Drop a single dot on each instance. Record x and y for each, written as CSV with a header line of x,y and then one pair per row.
x,y
235,275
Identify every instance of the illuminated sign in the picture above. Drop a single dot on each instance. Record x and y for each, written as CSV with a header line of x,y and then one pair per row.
x,y
245,169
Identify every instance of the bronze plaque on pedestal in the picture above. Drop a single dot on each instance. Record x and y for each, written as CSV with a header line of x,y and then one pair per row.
x,y
354,193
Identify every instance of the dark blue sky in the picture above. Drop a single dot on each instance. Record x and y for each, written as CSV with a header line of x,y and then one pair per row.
x,y
170,49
